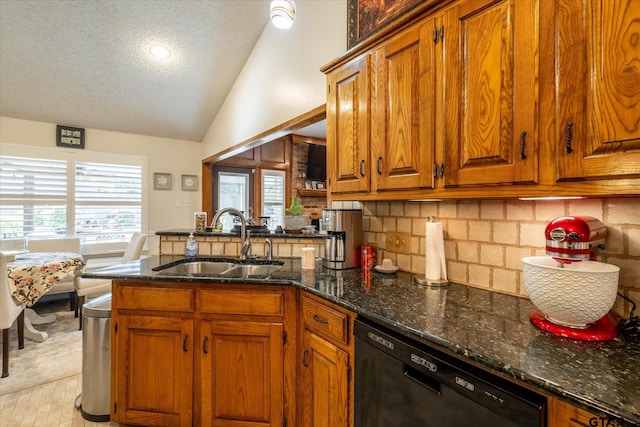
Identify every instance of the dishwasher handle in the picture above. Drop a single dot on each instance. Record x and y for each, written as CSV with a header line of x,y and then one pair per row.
x,y
422,379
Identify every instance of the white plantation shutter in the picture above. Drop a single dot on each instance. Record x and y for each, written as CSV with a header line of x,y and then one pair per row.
x,y
108,201
33,196
273,188
45,194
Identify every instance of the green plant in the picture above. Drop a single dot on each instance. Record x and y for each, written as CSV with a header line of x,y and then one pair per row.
x,y
295,208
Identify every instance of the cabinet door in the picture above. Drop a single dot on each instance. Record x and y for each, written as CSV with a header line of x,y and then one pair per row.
x,y
348,127
325,393
154,371
241,373
403,125
490,92
562,414
598,94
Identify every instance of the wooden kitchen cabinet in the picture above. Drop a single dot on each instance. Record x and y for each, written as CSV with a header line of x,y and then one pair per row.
x,y
598,94
562,414
490,92
201,354
326,387
403,120
349,127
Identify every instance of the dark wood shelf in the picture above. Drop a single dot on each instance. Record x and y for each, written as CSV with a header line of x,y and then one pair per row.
x,y
309,192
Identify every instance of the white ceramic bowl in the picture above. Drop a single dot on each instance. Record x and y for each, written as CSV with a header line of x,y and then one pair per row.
x,y
575,295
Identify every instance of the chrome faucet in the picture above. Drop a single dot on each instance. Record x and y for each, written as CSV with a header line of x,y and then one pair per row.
x,y
269,249
246,243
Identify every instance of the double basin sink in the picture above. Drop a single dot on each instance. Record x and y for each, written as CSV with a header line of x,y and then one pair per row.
x,y
220,268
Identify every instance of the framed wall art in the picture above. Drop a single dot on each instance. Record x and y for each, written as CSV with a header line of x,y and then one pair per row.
x,y
189,182
67,136
366,17
161,181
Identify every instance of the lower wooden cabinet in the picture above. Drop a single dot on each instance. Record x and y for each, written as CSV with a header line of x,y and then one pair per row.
x,y
562,414
203,355
326,387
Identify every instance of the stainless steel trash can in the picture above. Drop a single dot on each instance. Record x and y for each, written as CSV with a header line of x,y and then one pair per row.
x,y
96,353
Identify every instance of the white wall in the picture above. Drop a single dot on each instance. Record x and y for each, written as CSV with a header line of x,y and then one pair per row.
x,y
282,78
163,155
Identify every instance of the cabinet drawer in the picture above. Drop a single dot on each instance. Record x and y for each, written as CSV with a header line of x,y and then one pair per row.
x,y
325,321
240,302
142,298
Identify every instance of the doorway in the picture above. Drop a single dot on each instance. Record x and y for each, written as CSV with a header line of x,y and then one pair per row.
x,y
232,187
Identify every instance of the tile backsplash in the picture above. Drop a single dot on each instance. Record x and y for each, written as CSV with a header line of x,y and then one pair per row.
x,y
485,240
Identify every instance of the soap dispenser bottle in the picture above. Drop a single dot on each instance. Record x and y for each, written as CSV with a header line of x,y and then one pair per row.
x,y
192,246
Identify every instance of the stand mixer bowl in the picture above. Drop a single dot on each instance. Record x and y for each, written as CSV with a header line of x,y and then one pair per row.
x,y
573,295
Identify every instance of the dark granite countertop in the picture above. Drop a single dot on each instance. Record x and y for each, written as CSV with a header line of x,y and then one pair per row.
x,y
489,329
185,232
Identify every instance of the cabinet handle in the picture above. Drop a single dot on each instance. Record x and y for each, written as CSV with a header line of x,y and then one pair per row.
x,y
523,144
320,320
568,136
378,167
304,358
204,345
184,343
362,168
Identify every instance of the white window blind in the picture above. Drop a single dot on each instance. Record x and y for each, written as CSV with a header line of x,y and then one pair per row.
x,y
33,196
102,203
273,189
108,200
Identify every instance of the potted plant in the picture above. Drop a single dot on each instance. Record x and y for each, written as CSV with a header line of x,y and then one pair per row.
x,y
295,218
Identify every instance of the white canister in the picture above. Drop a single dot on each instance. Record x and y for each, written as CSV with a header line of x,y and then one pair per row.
x,y
308,258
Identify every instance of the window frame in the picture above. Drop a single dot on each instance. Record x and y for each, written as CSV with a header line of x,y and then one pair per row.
x,y
71,157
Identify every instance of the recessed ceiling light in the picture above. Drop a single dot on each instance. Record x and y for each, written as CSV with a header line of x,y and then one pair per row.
x,y
160,52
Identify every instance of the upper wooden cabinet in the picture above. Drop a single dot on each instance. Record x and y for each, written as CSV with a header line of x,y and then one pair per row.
x,y
475,96
598,94
490,92
349,127
403,125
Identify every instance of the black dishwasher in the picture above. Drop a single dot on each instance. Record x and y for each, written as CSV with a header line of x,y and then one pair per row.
x,y
402,383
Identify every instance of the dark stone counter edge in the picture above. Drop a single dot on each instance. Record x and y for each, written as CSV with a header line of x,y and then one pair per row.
x,y
186,233
494,366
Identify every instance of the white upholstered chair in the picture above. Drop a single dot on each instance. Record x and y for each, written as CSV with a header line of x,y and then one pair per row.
x,y
10,310
84,287
66,244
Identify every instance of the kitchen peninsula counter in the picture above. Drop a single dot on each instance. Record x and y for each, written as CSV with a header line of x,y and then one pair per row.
x,y
488,329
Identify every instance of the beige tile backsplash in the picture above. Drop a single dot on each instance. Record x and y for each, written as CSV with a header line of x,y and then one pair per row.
x,y
485,240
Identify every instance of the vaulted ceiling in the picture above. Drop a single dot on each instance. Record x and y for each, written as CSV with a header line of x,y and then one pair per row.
x,y
87,63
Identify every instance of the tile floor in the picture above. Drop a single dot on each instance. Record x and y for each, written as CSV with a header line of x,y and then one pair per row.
x,y
45,405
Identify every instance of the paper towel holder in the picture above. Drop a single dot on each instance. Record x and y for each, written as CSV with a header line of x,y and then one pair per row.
x,y
422,280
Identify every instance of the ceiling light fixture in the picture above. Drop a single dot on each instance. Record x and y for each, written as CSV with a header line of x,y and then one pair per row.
x,y
283,12
160,52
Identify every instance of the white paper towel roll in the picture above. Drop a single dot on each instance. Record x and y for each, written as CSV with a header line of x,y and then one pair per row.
x,y
435,263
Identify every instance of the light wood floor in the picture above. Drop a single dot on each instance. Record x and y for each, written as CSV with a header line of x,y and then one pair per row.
x,y
46,405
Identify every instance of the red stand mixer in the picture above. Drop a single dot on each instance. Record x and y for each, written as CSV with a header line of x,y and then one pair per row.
x,y
569,286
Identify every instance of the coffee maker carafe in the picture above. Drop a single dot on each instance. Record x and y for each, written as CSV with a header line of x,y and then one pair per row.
x,y
344,238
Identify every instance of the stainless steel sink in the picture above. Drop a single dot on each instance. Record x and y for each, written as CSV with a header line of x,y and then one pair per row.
x,y
218,268
199,267
251,270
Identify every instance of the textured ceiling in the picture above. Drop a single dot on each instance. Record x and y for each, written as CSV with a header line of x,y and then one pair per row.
x,y
86,63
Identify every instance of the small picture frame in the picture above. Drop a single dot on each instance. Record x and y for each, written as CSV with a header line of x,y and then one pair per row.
x,y
70,137
200,222
189,182
161,181
320,185
308,185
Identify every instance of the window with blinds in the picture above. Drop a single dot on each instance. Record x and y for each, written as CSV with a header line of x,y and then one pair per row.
x,y
273,189
47,198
